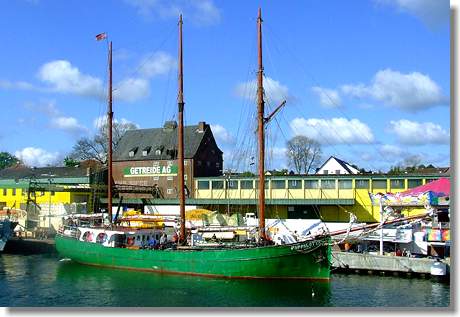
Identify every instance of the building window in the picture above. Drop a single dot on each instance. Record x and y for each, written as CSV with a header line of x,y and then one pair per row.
x,y
203,184
397,183
294,184
169,191
5,191
429,180
13,192
155,178
278,184
217,184
311,184
232,184
345,184
217,165
157,152
132,152
337,172
53,193
246,184
198,163
185,163
325,172
362,184
328,184
411,183
146,151
170,178
379,184
266,184
185,177
208,163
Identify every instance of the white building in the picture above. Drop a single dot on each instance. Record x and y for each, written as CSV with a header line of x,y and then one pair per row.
x,y
336,166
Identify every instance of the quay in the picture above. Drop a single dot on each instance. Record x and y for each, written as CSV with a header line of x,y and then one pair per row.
x,y
381,264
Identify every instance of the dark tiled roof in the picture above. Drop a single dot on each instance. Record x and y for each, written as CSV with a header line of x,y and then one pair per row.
x,y
42,172
344,164
162,139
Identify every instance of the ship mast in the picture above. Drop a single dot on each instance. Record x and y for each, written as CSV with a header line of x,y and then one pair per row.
x,y
180,139
261,130
109,132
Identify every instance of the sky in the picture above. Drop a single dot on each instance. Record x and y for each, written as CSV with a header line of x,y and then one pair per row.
x,y
368,80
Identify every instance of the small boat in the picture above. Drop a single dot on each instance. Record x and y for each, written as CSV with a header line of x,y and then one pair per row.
x,y
6,231
144,249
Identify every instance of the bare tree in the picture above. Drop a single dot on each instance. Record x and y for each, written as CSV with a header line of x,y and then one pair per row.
x,y
304,154
96,148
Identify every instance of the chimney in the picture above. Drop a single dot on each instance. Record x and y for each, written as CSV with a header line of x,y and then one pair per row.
x,y
201,126
170,125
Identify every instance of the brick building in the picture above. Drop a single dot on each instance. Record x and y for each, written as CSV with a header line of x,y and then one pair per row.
x,y
148,157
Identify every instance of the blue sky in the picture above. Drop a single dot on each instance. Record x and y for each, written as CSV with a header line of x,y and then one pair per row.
x,y
369,80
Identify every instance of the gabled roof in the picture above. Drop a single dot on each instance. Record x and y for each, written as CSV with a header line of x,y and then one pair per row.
x,y
342,163
160,143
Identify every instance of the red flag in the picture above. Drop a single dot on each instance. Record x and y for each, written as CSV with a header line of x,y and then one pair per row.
x,y
101,36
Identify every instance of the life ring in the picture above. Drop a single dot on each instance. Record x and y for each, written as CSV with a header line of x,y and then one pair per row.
x,y
130,241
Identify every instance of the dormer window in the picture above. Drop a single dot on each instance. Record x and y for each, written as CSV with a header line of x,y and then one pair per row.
x,y
146,151
132,152
159,150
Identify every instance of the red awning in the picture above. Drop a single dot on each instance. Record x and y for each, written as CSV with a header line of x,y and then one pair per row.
x,y
441,187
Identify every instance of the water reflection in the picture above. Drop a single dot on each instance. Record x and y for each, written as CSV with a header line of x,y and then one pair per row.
x,y
129,288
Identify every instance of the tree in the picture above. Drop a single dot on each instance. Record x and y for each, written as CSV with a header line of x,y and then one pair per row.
x,y
70,162
7,160
96,148
304,154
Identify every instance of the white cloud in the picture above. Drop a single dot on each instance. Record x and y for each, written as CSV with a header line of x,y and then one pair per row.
x,y
37,157
389,150
416,133
132,89
274,90
411,92
433,13
47,107
329,98
68,124
20,85
333,131
201,12
65,78
158,63
221,134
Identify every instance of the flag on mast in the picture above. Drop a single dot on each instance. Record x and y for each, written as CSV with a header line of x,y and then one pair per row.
x,y
101,36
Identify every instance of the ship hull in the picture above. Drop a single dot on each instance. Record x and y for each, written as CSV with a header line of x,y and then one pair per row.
x,y
299,261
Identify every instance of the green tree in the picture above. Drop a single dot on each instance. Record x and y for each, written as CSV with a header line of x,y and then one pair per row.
x,y
70,162
7,160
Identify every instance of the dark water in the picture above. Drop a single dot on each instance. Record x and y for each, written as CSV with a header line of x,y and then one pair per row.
x,y
43,280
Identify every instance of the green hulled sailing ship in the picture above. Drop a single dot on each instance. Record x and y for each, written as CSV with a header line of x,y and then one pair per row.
x,y
125,248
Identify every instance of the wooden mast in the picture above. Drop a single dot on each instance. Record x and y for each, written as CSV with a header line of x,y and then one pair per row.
x,y
180,139
261,131
109,132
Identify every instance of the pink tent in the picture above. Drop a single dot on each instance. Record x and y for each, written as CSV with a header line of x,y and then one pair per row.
x,y
440,187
